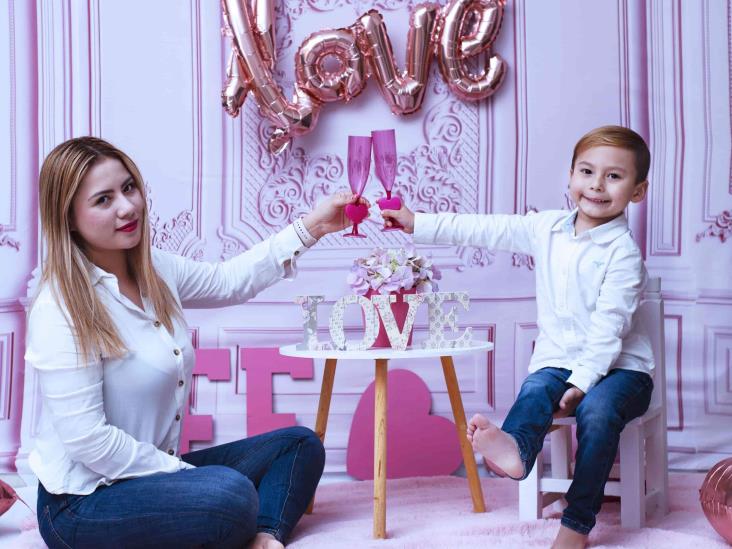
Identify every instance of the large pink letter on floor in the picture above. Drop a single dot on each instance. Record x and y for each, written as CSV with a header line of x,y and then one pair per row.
x,y
260,364
215,365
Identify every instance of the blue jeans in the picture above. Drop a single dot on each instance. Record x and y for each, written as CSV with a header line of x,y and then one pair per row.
x,y
259,484
619,397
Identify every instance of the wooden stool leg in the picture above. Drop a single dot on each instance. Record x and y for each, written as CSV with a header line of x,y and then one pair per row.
x,y
321,420
456,401
380,450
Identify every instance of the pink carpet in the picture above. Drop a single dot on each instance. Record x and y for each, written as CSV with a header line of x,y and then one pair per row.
x,y
435,512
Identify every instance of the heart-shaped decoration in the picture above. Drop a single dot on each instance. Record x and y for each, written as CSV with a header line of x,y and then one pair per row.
x,y
417,443
356,212
393,203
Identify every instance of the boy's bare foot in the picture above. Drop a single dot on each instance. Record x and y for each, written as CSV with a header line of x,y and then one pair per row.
x,y
495,446
569,539
265,541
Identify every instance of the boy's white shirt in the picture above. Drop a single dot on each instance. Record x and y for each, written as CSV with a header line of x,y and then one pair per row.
x,y
115,419
587,287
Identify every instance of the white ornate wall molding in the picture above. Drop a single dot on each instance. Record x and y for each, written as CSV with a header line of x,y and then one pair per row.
x,y
666,126
7,343
720,227
522,124
719,224
8,154
674,373
717,360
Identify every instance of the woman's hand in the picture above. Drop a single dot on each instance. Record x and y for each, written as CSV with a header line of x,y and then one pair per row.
x,y
329,216
404,216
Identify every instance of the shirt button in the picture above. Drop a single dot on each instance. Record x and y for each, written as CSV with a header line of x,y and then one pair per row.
x,y
177,417
171,452
156,324
176,352
297,252
180,383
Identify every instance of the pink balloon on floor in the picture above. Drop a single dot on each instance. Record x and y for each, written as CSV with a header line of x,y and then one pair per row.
x,y
417,443
716,498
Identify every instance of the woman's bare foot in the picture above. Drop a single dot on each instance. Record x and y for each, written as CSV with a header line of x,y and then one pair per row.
x,y
569,539
265,541
495,446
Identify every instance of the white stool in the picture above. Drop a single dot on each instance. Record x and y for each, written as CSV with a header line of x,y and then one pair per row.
x,y
643,484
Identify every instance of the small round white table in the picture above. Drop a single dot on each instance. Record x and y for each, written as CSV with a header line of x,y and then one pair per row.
x,y
381,358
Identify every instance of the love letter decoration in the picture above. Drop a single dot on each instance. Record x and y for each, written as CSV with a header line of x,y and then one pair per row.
x,y
455,33
440,319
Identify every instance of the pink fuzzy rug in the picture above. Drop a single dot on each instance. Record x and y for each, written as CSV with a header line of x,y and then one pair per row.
x,y
436,512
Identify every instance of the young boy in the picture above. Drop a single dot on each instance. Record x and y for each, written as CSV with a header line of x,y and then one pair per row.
x,y
588,359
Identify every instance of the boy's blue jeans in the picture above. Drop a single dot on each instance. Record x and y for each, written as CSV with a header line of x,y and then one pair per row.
x,y
619,397
259,484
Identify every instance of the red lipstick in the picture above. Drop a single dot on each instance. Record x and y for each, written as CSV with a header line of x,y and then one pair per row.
x,y
129,227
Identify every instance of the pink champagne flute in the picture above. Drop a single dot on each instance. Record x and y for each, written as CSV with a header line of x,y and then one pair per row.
x,y
359,164
385,162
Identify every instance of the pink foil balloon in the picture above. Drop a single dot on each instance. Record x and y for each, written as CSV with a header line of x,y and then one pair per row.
x,y
326,86
235,88
8,496
296,118
454,48
403,90
458,32
715,496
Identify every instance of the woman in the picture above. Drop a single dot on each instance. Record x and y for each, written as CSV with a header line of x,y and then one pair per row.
x,y
107,336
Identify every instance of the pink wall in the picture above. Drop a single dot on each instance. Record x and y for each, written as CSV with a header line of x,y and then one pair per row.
x,y
147,76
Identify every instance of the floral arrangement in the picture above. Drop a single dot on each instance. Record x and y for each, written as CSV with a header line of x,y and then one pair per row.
x,y
392,270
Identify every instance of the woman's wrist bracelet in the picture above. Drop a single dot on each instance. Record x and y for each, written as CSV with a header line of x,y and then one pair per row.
x,y
307,239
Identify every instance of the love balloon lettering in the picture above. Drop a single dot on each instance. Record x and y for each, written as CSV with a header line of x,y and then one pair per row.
x,y
441,318
334,64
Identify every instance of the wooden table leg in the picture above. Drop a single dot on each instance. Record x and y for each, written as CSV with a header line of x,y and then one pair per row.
x,y
458,412
321,420
380,449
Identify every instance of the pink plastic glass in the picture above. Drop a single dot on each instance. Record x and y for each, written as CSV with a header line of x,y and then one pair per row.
x,y
385,162
359,164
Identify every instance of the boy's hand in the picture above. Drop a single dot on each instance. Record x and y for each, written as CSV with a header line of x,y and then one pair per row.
x,y
404,217
569,402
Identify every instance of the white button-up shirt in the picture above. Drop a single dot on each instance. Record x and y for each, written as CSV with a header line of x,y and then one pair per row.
x,y
121,418
588,286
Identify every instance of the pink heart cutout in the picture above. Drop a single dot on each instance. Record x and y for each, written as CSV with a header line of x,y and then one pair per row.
x,y
393,203
417,443
356,212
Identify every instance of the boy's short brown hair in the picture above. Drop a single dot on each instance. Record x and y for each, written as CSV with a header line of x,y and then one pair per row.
x,y
617,136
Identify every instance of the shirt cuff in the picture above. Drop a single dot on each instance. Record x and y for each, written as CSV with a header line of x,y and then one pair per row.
x,y
425,228
288,247
583,379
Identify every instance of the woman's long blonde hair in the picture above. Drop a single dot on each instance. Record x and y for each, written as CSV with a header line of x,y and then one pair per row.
x,y
66,268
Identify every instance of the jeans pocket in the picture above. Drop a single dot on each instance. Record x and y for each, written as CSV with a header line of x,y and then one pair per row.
x,y
49,533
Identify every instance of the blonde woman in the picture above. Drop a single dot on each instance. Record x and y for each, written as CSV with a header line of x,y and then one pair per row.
x,y
108,339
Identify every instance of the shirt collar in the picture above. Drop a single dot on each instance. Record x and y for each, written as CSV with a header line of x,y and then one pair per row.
x,y
604,234
97,274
